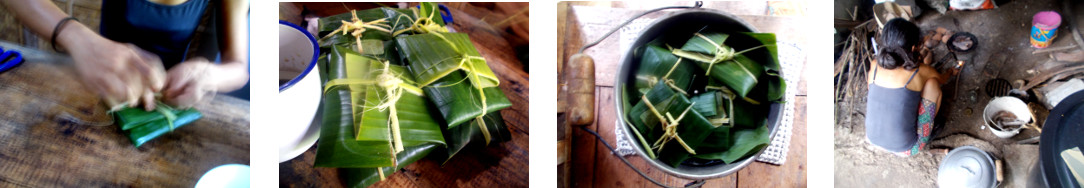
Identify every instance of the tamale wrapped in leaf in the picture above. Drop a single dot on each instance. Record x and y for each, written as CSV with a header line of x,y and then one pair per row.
x,y
397,19
435,55
357,134
453,75
143,126
469,135
459,102
658,65
714,106
692,128
746,142
739,74
364,177
722,62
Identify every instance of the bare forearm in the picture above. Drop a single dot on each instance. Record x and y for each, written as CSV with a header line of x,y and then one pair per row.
x,y
38,15
234,45
41,16
231,76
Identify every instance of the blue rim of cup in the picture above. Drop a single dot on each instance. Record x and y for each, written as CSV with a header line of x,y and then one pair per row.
x,y
312,63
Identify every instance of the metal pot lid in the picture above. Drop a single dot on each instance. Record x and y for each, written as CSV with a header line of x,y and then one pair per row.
x,y
966,166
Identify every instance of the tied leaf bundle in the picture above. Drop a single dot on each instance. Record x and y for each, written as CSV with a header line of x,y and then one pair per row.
x,y
395,94
372,114
143,126
705,100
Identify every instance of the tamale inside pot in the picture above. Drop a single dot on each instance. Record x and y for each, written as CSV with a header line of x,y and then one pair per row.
x,y
680,27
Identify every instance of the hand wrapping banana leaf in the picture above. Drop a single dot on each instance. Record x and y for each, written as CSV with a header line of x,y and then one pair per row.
x,y
142,126
707,100
399,86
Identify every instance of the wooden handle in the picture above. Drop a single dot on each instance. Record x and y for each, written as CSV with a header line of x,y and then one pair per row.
x,y
580,89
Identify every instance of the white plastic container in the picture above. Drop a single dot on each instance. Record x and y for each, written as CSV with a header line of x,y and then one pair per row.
x,y
1011,104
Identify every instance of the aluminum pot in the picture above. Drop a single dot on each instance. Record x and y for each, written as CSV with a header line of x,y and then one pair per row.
x,y
681,26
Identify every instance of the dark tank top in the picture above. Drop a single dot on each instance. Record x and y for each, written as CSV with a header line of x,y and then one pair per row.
x,y
892,115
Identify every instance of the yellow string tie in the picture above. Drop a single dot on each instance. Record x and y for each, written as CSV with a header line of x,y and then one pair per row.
x,y
670,128
356,26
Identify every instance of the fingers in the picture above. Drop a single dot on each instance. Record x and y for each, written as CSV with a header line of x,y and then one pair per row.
x,y
188,98
114,87
148,100
178,81
149,67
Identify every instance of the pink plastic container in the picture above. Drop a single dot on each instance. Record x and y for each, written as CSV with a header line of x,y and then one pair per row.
x,y
1044,27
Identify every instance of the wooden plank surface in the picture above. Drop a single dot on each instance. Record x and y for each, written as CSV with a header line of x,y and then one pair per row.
x,y
56,133
503,165
595,166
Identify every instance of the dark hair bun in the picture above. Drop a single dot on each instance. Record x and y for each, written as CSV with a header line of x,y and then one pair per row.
x,y
898,37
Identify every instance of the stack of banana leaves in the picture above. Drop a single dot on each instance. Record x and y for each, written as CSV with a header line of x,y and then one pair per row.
x,y
705,102
143,126
398,86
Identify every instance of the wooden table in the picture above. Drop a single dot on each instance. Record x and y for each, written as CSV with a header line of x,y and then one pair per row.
x,y
55,133
593,165
503,165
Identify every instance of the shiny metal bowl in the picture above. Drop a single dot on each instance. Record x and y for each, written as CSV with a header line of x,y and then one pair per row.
x,y
675,27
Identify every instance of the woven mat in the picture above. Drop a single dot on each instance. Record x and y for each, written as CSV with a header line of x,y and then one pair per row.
x,y
791,59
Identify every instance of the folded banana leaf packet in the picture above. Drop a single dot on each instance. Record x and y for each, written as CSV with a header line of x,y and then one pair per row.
x,y
398,87
706,97
143,126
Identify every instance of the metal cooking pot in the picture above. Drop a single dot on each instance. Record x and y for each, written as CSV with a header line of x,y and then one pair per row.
x,y
681,26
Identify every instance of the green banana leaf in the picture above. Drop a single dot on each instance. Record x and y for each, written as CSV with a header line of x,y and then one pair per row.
x,y
398,19
436,55
736,73
740,73
692,129
776,84
705,46
746,142
459,102
143,126
655,63
470,135
356,136
431,10
714,106
364,177
415,119
718,141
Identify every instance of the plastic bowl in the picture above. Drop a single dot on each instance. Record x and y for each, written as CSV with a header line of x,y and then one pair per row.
x,y
1011,104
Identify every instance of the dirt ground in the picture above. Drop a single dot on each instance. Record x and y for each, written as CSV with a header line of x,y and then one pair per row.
x,y
1003,52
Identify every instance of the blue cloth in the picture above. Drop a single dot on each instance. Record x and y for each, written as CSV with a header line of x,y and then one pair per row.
x,y
161,29
892,115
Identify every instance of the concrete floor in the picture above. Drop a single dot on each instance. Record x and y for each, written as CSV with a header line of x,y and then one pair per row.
x,y
1003,52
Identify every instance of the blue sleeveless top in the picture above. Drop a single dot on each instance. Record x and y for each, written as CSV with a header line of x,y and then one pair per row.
x,y
892,115
161,29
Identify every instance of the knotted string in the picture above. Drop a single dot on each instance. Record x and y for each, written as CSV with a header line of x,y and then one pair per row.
x,y
724,53
424,25
669,124
161,108
393,88
421,25
356,26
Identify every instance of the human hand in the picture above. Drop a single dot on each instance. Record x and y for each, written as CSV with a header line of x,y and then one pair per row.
x,y
190,82
120,73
